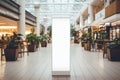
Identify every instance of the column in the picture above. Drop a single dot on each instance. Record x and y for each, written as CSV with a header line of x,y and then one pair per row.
x,y
90,12
81,21
45,27
37,8
21,27
45,24
107,3
77,27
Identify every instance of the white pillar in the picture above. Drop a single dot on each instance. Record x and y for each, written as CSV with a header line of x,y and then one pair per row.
x,y
21,27
45,24
37,8
90,12
107,3
75,25
81,20
45,27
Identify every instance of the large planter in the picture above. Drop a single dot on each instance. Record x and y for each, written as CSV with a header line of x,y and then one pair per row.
x,y
88,46
114,53
37,45
44,44
32,48
11,54
82,44
85,45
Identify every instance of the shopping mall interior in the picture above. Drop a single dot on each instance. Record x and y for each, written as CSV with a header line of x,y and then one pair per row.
x,y
59,39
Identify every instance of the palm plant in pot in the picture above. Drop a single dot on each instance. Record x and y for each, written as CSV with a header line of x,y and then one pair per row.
x,y
31,38
43,40
11,51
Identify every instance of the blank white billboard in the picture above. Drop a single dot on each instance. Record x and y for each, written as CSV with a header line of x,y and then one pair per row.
x,y
61,46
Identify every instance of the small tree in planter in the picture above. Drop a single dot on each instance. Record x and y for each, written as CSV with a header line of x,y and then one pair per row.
x,y
43,40
32,42
11,51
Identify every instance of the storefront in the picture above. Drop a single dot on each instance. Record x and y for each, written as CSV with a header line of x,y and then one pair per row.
x,y
9,16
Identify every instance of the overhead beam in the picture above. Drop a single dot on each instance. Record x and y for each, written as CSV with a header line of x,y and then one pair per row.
x,y
65,3
52,12
67,13
60,12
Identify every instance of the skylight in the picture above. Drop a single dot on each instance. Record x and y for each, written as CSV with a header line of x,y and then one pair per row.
x,y
57,8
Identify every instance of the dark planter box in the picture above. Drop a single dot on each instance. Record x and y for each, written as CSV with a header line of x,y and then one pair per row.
x,y
43,44
114,53
88,46
37,45
11,54
32,48
82,44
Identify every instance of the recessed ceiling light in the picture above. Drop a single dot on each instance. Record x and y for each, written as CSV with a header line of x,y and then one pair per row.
x,y
8,27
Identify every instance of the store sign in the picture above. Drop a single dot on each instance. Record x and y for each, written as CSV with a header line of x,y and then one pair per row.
x,y
8,13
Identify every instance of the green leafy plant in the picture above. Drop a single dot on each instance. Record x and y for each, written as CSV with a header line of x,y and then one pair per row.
x,y
72,31
116,41
104,35
89,35
14,41
37,39
32,38
44,38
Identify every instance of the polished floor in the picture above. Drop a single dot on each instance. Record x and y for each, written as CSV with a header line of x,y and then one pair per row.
x,y
85,65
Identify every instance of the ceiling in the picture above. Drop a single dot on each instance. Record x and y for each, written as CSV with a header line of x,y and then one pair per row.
x,y
56,8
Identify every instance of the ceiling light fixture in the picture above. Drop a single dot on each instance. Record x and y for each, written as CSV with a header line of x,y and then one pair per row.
x,y
8,27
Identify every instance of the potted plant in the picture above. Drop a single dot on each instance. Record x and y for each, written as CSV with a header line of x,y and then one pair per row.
x,y
113,50
37,41
43,40
31,38
89,39
83,39
11,51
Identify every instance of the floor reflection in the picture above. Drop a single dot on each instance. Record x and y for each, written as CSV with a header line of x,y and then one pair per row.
x,y
61,77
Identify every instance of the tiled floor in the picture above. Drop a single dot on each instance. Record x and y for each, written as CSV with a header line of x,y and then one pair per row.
x,y
85,65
